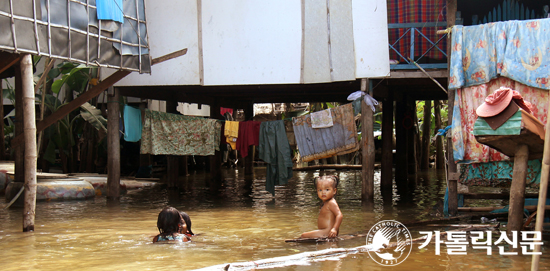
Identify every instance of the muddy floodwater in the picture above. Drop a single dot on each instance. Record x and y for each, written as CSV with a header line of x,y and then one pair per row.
x,y
238,223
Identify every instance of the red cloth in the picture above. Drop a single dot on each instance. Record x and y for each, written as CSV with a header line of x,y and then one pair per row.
x,y
249,134
223,110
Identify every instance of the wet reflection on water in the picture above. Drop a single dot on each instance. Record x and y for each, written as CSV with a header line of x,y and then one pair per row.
x,y
240,222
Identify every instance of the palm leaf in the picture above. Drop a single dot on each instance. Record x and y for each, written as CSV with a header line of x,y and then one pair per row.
x,y
93,115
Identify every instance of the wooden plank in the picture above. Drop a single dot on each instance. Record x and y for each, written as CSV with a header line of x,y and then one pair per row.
x,y
7,60
443,73
503,195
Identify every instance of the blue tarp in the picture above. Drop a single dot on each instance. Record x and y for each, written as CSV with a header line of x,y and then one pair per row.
x,y
110,10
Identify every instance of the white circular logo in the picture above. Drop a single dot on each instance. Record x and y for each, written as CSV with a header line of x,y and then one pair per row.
x,y
391,242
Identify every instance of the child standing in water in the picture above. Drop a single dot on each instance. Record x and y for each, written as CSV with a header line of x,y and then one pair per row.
x,y
170,223
330,216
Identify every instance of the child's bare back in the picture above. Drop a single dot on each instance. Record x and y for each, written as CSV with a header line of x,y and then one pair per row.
x,y
330,216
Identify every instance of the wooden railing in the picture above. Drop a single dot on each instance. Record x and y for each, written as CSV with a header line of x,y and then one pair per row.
x,y
408,57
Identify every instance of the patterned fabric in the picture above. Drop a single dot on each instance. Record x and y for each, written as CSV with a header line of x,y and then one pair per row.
x,y
339,139
400,11
481,165
466,148
321,119
514,49
274,149
171,134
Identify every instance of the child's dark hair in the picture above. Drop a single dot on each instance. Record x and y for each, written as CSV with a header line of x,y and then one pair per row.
x,y
187,220
334,178
169,221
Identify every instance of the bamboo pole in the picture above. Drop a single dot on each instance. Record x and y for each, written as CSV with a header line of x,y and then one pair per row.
x,y
517,190
29,127
113,143
544,172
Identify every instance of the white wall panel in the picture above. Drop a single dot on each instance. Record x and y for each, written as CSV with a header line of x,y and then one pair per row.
x,y
316,52
341,40
251,42
172,25
370,32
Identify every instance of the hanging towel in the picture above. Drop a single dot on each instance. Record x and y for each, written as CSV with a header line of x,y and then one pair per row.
x,y
249,134
132,124
172,134
339,139
231,133
321,119
110,10
274,149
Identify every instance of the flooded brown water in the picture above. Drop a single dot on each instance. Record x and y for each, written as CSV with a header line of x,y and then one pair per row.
x,y
239,223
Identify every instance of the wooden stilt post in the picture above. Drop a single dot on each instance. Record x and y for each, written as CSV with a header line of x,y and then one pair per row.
x,y
401,164
426,124
367,148
29,127
517,190
439,159
2,146
411,137
452,176
19,150
144,159
215,160
172,161
543,190
249,159
113,143
387,148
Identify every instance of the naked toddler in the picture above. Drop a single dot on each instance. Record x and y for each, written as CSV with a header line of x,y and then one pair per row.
x,y
330,216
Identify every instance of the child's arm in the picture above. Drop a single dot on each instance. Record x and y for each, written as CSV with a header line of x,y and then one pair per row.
x,y
333,207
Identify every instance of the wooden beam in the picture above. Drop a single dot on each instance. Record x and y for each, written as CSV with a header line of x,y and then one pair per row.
x,y
418,74
7,60
517,189
88,95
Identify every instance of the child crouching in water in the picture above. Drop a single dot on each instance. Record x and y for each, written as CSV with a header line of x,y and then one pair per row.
x,y
172,226
330,216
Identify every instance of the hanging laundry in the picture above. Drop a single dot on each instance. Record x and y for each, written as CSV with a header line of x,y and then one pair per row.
x,y
110,10
339,139
249,134
321,119
274,149
172,134
132,124
231,133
